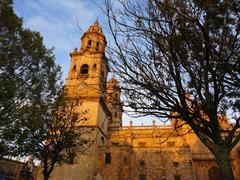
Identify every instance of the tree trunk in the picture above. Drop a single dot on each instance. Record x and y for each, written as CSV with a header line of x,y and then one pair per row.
x,y
224,162
45,172
46,177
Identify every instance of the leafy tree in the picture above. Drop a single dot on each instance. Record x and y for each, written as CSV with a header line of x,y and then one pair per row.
x,y
34,117
9,29
29,78
183,57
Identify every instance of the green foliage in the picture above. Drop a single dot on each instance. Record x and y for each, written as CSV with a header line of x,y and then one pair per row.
x,y
34,117
29,80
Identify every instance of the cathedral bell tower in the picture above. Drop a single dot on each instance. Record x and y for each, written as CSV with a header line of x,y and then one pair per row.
x,y
87,77
85,89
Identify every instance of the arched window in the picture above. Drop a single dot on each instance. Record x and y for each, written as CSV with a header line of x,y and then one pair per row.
x,y
84,69
89,43
142,163
214,173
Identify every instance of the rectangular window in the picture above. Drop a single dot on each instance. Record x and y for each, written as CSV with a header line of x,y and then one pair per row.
x,y
177,177
142,177
115,143
107,158
142,144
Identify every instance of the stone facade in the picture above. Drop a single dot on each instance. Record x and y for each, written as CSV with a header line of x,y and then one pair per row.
x,y
157,153
131,152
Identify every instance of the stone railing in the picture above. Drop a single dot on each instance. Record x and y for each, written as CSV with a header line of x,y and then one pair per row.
x,y
141,127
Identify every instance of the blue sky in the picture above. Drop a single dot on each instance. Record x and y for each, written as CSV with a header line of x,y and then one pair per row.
x,y
62,23
59,22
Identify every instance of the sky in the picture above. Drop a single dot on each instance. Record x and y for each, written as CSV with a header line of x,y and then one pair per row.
x,y
62,23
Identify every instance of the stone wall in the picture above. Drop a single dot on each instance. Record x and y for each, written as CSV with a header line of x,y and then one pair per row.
x,y
156,153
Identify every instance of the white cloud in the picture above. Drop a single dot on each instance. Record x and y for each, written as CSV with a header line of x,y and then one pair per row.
x,y
57,22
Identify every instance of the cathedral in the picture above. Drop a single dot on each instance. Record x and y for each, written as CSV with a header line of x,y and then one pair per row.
x,y
127,152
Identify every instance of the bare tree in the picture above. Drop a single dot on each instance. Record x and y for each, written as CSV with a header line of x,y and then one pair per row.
x,y
183,57
56,138
65,139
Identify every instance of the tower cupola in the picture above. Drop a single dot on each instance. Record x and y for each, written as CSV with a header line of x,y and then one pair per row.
x,y
93,40
113,83
114,102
